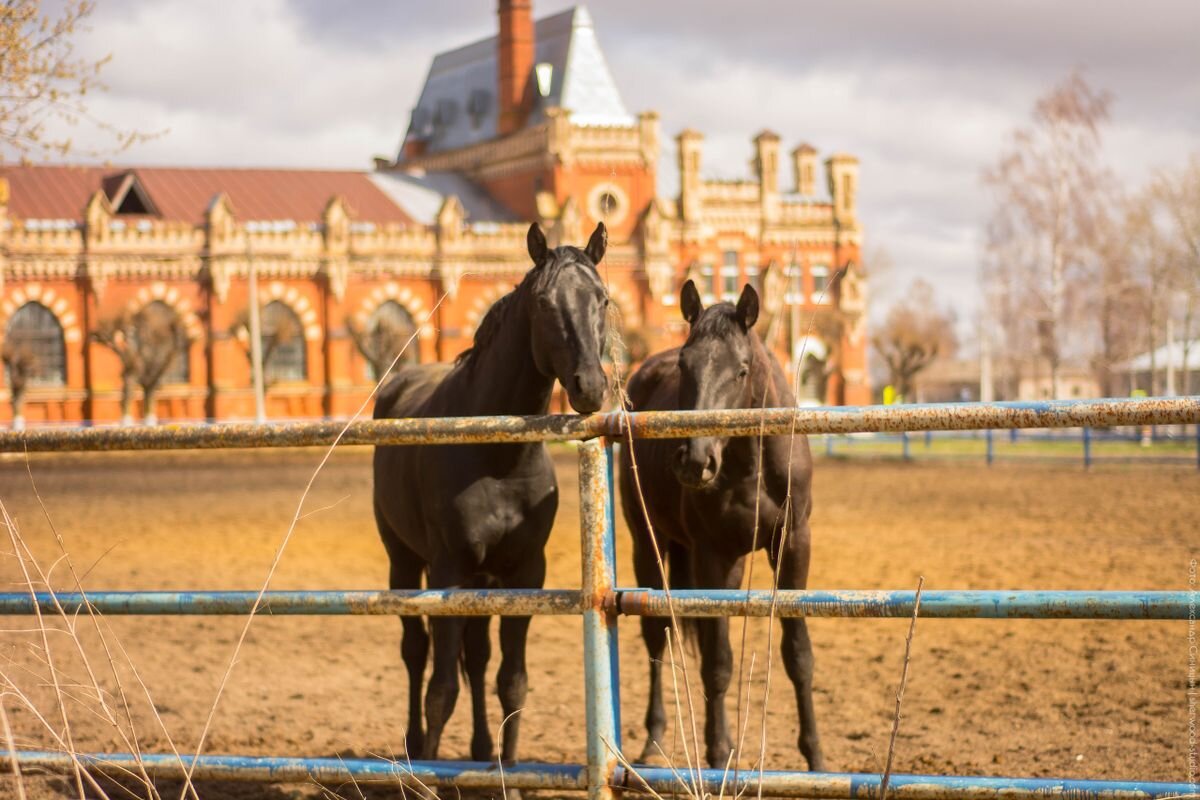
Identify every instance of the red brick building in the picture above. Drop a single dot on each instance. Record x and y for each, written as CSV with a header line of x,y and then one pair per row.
x,y
527,125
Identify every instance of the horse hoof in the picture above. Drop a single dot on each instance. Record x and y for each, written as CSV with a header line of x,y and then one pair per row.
x,y
652,757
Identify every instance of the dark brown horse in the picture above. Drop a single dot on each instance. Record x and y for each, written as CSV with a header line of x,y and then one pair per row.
x,y
477,516
704,500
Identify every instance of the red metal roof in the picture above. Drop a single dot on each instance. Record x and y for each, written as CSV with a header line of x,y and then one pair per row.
x,y
62,192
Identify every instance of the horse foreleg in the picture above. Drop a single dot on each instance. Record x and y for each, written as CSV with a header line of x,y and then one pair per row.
x,y
710,571
512,681
443,684
478,651
797,647
654,634
405,573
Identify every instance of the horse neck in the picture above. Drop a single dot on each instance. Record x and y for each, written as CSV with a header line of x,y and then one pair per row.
x,y
766,391
503,378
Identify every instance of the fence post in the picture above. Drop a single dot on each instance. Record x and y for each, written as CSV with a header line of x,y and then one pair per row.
x,y
1197,427
829,444
904,446
928,439
1087,447
991,453
599,623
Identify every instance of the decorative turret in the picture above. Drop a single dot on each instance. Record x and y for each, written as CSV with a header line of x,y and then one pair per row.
x,y
691,202
766,169
842,173
804,168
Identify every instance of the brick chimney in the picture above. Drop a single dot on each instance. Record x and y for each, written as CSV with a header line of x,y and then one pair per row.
x,y
515,62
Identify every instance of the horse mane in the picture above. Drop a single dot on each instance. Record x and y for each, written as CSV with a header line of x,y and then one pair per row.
x,y
501,310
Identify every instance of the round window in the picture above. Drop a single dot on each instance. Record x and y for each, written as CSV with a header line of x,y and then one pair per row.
x,y
609,204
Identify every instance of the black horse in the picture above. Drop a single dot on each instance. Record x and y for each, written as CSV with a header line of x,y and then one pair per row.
x,y
477,516
703,499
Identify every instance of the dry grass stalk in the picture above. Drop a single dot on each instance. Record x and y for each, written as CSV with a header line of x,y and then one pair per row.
x,y
11,744
288,537
912,627
18,547
131,741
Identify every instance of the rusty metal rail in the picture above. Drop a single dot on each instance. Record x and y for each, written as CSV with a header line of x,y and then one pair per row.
x,y
649,424
935,604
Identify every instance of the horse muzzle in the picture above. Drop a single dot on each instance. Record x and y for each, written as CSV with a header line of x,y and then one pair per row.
x,y
585,390
697,463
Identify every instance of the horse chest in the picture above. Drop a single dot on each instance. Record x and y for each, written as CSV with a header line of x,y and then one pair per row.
x,y
728,517
491,514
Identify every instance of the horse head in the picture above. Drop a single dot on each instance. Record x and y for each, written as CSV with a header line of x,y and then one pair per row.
x,y
715,368
568,316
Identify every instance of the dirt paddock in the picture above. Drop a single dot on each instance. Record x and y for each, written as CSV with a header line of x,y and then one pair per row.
x,y
1102,700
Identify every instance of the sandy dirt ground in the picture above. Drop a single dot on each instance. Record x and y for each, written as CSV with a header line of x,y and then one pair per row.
x,y
1102,700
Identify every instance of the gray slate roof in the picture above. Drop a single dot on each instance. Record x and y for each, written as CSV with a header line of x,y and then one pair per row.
x,y
421,195
458,104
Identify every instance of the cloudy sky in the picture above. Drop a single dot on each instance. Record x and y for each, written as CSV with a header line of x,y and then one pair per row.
x,y
923,92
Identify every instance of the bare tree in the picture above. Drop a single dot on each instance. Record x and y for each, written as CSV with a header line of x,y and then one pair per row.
x,y
44,85
379,341
283,332
147,342
20,365
1041,236
915,333
1164,262
1175,196
1117,303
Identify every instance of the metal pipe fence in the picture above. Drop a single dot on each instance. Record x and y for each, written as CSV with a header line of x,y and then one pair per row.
x,y
645,425
935,604
601,603
1153,445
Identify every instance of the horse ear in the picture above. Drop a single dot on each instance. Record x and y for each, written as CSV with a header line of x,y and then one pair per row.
x,y
747,307
689,302
597,244
537,244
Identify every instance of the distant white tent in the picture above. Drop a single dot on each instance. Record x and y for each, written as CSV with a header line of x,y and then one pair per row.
x,y
1164,356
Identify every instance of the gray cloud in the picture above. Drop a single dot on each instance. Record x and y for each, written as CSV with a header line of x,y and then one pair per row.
x,y
923,92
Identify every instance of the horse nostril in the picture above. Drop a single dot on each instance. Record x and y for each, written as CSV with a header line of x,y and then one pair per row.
x,y
681,457
710,465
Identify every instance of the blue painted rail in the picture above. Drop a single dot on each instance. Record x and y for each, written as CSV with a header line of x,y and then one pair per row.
x,y
560,777
601,603
935,604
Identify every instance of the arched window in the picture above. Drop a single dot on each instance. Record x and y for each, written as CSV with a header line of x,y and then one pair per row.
x,y
161,321
34,329
388,332
284,357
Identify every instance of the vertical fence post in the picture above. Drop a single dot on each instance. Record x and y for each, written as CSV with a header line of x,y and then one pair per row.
x,y
904,450
829,444
928,439
1197,426
599,623
1087,447
991,452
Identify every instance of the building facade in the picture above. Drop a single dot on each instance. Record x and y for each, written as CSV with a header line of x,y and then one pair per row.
x,y
525,126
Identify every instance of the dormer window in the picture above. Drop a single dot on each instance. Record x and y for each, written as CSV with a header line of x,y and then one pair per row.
x,y
127,195
544,73
478,106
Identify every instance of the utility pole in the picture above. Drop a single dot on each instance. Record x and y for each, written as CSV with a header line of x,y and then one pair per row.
x,y
256,359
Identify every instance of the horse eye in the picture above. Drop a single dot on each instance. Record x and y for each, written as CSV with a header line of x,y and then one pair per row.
x,y
742,373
